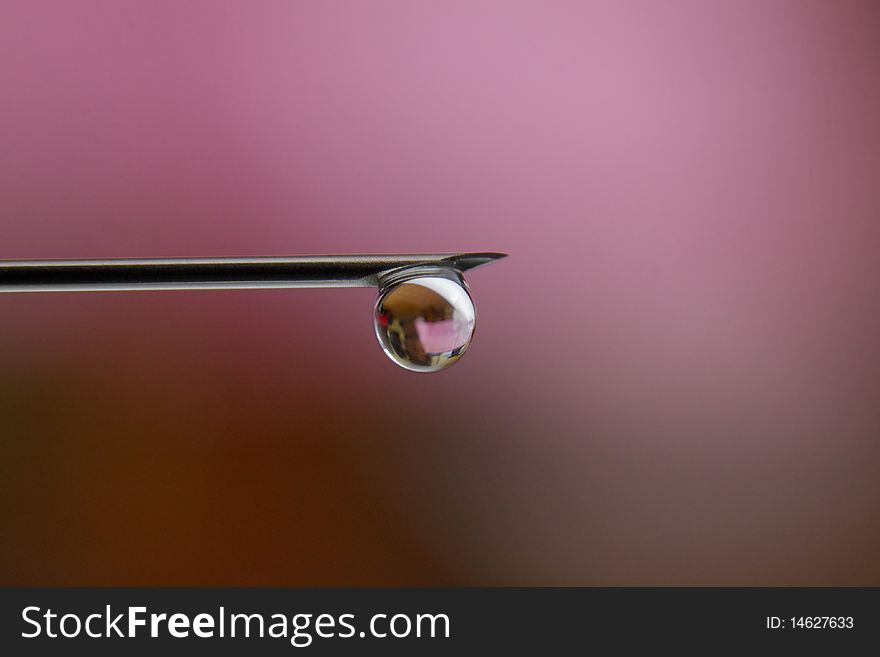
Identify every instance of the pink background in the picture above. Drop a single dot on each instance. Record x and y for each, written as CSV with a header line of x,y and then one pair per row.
x,y
676,374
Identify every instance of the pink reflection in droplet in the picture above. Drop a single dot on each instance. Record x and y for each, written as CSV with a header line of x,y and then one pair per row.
x,y
445,335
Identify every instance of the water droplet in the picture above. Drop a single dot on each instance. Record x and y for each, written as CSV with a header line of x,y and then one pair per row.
x,y
425,318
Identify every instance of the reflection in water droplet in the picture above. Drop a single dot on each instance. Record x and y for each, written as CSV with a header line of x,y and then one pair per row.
x,y
425,322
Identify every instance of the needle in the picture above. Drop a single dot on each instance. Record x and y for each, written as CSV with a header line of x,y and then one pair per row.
x,y
220,273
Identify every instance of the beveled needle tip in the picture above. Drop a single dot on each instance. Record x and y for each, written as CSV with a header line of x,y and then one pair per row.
x,y
465,261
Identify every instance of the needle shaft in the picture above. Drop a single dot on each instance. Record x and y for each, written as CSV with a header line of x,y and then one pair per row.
x,y
219,273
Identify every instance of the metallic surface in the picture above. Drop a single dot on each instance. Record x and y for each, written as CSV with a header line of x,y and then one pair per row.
x,y
220,273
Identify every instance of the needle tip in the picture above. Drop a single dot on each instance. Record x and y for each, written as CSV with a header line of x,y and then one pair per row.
x,y
465,261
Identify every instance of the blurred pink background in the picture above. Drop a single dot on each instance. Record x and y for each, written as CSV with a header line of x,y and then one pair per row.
x,y
676,374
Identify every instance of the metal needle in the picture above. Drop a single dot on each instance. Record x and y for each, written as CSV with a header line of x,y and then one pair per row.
x,y
220,273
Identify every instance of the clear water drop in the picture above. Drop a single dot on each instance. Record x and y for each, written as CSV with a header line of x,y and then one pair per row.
x,y
425,319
